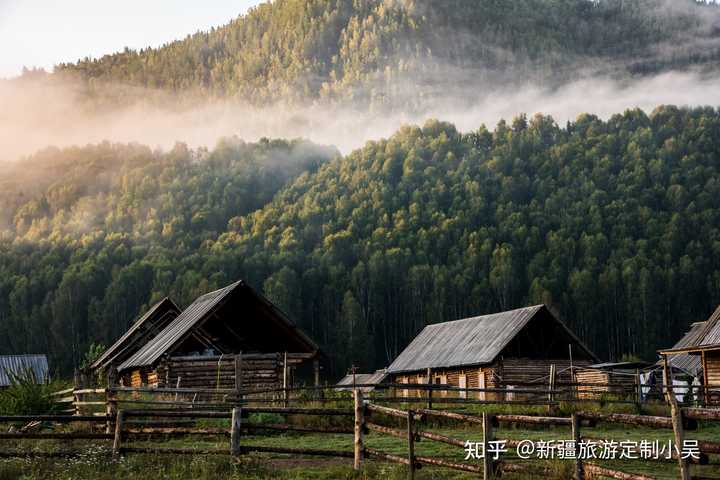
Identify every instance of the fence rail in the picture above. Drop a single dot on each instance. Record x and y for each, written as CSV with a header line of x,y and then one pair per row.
x,y
178,418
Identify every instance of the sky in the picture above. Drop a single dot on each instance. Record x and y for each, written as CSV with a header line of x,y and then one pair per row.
x,y
42,33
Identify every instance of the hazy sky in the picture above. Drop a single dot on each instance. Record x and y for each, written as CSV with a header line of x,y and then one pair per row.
x,y
42,33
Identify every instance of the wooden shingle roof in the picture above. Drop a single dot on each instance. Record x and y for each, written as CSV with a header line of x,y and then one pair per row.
x,y
470,341
203,308
152,322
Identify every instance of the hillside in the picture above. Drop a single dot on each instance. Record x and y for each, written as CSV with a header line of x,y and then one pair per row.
x,y
88,236
372,51
613,224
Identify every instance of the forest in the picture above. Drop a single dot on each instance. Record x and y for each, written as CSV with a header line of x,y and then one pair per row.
x,y
368,52
614,224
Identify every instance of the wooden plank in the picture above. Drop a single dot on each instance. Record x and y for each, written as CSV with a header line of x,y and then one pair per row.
x,y
235,430
63,392
463,467
645,420
57,435
597,470
533,420
296,428
297,451
411,444
488,470
119,425
175,451
393,412
577,437
55,418
358,429
371,452
176,431
452,415
442,438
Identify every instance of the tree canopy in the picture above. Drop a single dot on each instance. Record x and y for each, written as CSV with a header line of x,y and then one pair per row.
x,y
613,224
370,50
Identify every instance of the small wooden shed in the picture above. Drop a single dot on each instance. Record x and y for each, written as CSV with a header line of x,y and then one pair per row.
x,y
513,349
704,345
230,338
611,378
370,380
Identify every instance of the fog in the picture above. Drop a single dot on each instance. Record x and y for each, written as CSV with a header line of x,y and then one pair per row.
x,y
42,113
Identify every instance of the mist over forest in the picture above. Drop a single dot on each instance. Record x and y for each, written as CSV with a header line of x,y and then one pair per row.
x,y
374,166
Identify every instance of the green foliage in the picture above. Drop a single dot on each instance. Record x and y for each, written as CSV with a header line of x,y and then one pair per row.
x,y
27,395
93,353
613,224
370,50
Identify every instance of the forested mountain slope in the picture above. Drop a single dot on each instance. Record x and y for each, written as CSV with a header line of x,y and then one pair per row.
x,y
89,235
614,224
370,50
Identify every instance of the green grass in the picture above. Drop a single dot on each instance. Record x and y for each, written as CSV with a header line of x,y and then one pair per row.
x,y
97,463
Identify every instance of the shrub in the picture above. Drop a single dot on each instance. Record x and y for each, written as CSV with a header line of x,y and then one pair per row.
x,y
27,396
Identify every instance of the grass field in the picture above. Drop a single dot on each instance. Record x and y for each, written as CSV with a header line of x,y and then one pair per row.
x,y
96,462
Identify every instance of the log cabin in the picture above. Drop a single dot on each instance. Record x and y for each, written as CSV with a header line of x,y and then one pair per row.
x,y
704,346
513,349
230,338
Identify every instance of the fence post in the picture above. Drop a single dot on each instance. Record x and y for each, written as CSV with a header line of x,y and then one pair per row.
x,y
429,392
285,381
677,421
638,383
577,438
110,408
488,469
238,376
411,444
235,431
119,425
551,387
359,427
110,401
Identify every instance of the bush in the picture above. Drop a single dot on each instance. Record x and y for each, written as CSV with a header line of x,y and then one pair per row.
x,y
27,396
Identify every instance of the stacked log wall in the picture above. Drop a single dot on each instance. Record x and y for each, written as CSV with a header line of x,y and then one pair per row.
x,y
258,372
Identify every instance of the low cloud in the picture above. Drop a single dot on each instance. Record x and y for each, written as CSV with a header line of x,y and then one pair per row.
x,y
46,113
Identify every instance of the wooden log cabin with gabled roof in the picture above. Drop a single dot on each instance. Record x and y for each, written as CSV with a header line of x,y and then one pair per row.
x,y
512,349
230,338
700,345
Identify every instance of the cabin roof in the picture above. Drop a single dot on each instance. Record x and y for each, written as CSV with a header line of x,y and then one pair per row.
x,y
158,315
688,363
470,341
18,364
195,315
701,336
375,378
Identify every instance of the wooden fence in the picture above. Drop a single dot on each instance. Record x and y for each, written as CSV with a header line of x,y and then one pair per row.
x,y
125,426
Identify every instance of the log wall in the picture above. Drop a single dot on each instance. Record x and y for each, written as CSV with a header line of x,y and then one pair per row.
x,y
508,373
258,372
712,360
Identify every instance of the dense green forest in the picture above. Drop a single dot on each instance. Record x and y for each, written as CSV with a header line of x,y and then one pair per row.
x,y
369,51
614,224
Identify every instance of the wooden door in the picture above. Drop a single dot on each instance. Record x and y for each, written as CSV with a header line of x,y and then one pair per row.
x,y
462,383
